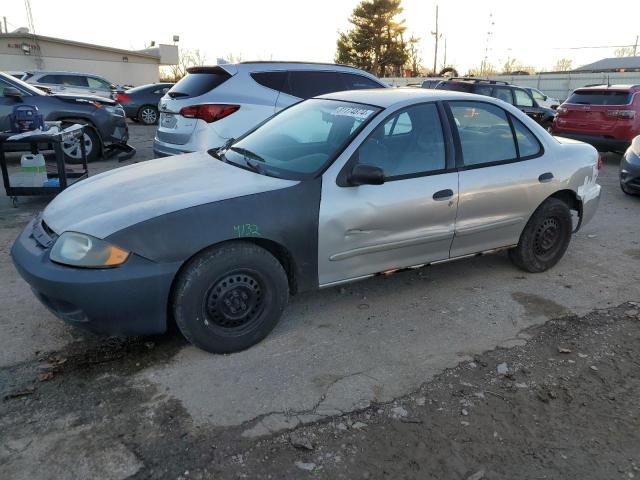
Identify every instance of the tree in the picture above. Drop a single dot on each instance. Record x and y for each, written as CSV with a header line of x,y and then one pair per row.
x,y
510,65
186,59
414,60
376,41
624,52
563,65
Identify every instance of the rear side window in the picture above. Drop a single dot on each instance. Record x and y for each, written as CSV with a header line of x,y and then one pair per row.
x,y
528,144
455,86
311,84
98,83
485,133
599,97
74,80
51,79
358,82
522,98
483,90
272,80
199,83
504,94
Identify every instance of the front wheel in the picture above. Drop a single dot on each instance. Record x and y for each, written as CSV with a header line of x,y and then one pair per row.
x,y
545,237
230,297
72,151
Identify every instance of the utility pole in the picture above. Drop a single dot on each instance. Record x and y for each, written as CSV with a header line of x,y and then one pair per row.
x,y
5,25
437,35
635,46
444,63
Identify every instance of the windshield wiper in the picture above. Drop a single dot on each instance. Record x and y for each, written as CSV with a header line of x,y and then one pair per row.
x,y
247,153
177,94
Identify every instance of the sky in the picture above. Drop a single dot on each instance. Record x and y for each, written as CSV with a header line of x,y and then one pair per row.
x,y
535,33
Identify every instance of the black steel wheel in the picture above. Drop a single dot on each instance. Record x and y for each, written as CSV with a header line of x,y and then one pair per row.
x,y
230,297
545,237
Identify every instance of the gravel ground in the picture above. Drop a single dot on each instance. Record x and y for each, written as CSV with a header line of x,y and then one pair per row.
x,y
564,405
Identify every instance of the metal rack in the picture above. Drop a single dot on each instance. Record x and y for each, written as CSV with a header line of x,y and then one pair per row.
x,y
34,141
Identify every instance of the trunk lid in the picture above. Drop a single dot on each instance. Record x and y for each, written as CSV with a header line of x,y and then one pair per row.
x,y
193,89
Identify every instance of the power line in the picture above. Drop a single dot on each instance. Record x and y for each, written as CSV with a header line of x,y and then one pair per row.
x,y
598,46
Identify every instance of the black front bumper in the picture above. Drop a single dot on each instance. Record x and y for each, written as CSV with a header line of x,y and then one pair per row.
x,y
603,144
128,300
630,172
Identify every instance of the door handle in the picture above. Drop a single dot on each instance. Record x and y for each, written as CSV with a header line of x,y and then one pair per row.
x,y
545,177
443,194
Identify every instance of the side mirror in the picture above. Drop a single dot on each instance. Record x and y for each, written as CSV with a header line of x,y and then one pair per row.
x,y
366,175
12,92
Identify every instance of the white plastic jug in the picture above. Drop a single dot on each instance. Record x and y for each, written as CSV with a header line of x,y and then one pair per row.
x,y
34,169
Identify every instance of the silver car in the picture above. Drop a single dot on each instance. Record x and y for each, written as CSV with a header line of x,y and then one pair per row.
x,y
71,83
331,190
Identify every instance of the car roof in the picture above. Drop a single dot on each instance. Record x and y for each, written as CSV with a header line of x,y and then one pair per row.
x,y
387,97
620,88
61,72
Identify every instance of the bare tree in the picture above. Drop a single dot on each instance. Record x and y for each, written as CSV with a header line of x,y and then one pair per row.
x,y
624,52
186,59
414,62
563,65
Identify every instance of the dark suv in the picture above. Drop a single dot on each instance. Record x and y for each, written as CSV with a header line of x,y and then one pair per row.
x,y
517,96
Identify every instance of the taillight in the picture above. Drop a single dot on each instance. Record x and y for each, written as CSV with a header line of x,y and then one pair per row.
x,y
621,113
122,98
600,160
209,112
561,110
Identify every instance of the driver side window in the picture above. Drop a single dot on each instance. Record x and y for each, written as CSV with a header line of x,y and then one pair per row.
x,y
410,142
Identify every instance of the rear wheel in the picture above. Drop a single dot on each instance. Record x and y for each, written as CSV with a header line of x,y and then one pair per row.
x,y
626,189
148,115
545,238
230,297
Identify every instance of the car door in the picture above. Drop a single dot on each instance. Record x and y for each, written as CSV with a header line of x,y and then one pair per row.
x,y
524,101
503,176
100,87
51,81
6,106
406,221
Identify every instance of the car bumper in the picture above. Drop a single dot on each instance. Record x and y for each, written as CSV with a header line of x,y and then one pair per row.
x,y
589,195
630,172
128,300
599,142
163,149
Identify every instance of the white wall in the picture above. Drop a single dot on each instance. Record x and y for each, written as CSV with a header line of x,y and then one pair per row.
x,y
558,85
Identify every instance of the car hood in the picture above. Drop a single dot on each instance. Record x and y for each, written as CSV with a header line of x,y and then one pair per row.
x,y
68,97
111,201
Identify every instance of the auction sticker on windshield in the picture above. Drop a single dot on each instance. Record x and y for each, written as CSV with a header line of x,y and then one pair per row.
x,y
354,112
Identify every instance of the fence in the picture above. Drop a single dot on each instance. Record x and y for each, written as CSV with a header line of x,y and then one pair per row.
x,y
558,85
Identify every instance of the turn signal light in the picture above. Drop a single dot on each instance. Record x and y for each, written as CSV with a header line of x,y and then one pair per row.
x,y
209,112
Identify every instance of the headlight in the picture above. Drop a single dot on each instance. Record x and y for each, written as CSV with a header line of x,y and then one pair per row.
x,y
80,250
115,110
635,145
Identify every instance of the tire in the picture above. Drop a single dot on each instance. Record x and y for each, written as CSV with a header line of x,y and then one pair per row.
x,y
545,237
229,297
92,143
148,115
626,190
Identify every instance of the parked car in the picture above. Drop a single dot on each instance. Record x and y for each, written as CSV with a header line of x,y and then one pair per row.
x,y
542,99
332,190
141,103
432,82
212,105
606,116
71,82
107,126
630,169
518,96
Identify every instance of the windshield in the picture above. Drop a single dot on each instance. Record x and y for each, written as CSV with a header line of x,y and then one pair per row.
x,y
599,97
24,85
301,140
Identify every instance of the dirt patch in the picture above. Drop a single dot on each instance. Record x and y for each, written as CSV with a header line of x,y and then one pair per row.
x,y
565,405
634,253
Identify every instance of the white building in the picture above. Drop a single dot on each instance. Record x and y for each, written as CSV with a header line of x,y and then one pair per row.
x,y
24,51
